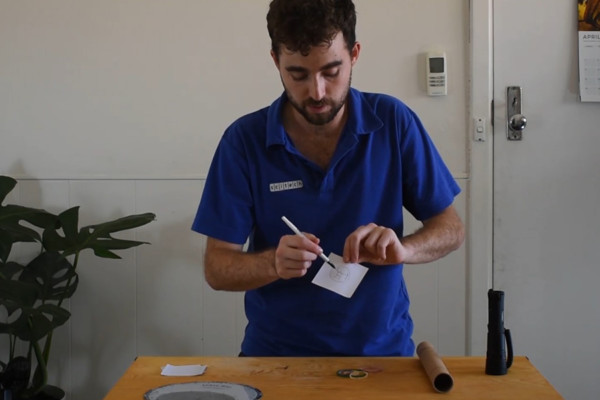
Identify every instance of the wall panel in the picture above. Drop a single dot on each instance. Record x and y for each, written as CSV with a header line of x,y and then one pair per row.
x,y
104,307
170,280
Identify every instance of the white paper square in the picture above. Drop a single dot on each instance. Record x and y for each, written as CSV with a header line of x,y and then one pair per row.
x,y
183,370
343,279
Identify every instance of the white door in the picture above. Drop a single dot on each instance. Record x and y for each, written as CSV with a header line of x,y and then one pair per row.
x,y
546,202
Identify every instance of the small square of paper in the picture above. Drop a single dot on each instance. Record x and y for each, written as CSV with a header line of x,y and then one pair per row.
x,y
343,279
183,370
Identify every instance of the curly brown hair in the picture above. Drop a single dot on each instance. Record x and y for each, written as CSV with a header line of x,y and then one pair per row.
x,y
302,24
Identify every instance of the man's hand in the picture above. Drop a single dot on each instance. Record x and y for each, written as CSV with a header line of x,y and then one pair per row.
x,y
295,254
379,245
374,244
228,267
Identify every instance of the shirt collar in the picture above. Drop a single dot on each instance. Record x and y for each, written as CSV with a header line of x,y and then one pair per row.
x,y
361,118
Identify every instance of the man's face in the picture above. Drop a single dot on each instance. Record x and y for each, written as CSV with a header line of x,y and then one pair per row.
x,y
317,85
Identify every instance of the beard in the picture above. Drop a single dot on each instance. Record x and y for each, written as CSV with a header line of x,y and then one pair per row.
x,y
319,118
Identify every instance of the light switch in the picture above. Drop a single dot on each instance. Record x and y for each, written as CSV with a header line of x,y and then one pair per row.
x,y
479,129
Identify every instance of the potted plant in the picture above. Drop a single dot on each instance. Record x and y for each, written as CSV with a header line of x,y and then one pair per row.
x,y
32,293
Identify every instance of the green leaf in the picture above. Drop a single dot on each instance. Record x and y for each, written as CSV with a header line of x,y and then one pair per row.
x,y
20,233
115,244
52,241
6,243
121,224
103,253
10,269
54,276
44,319
16,292
97,237
18,299
35,323
12,213
15,325
69,221
102,247
11,233
11,230
7,184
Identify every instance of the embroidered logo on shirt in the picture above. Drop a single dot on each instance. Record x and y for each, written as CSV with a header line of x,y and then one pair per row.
x,y
280,186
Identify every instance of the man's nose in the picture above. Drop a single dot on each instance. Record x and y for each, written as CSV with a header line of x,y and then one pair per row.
x,y
317,88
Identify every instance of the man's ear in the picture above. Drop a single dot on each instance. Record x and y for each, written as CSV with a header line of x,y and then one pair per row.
x,y
275,59
354,53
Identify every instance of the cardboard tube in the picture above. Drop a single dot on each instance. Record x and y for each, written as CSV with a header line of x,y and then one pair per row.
x,y
434,367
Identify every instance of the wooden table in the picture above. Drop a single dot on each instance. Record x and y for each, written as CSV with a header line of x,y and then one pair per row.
x,y
315,378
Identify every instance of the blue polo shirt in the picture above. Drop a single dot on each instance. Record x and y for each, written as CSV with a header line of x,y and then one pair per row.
x,y
384,161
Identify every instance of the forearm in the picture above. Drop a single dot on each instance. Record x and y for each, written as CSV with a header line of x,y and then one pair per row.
x,y
229,268
435,239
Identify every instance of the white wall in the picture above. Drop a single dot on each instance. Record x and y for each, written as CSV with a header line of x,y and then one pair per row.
x,y
143,89
117,106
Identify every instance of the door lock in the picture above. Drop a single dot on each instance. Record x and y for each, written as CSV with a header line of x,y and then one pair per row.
x,y
515,120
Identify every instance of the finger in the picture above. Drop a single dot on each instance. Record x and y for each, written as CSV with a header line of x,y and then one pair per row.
x,y
293,270
292,259
376,242
353,243
308,242
296,248
386,250
312,238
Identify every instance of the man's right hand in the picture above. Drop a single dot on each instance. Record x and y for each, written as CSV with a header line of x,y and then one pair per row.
x,y
228,267
295,254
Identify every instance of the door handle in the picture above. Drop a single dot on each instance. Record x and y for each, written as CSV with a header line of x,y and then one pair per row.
x,y
515,120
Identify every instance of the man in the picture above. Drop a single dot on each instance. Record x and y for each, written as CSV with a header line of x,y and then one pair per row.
x,y
340,164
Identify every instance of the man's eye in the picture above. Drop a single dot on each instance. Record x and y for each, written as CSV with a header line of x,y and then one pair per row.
x,y
299,77
331,74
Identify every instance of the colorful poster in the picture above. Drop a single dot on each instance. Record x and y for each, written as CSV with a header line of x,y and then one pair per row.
x,y
589,49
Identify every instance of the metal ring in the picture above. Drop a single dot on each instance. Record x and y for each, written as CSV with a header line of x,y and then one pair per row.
x,y
352,373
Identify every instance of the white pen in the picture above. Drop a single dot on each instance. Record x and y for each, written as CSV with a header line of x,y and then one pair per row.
x,y
297,232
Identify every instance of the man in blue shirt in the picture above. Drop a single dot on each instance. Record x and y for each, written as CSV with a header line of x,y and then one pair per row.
x,y
340,164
